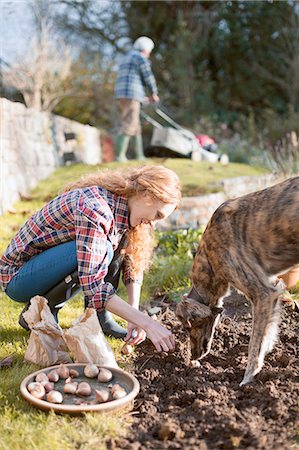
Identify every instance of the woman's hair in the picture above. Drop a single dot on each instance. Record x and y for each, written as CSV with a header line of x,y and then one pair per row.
x,y
138,254
157,181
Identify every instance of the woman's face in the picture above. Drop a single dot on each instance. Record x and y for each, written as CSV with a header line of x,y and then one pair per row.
x,y
145,209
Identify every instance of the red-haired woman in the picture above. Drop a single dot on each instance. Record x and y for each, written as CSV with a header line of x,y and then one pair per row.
x,y
81,231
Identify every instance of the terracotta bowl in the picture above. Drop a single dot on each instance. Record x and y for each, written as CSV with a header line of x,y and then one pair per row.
x,y
126,380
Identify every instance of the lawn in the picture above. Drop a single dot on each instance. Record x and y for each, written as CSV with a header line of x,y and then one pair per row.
x,y
23,426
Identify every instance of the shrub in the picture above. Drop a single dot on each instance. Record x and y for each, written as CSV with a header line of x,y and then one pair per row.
x,y
241,151
179,242
284,154
169,273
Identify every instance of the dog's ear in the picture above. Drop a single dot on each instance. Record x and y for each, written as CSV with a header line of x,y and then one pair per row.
x,y
191,312
183,313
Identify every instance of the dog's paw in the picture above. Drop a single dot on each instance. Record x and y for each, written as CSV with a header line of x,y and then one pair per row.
x,y
246,380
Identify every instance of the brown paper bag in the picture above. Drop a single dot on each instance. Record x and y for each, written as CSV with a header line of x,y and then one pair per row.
x,y
45,345
87,343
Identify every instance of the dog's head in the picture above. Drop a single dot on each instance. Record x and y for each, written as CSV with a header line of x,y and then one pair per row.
x,y
201,321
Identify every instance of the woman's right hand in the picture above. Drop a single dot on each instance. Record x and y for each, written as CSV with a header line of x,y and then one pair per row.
x,y
160,336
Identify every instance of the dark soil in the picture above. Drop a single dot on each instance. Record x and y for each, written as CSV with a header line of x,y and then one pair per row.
x,y
182,407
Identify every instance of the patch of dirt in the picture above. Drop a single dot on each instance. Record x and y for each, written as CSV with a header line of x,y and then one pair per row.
x,y
182,407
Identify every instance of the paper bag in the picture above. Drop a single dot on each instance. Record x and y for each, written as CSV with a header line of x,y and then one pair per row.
x,y
87,343
45,345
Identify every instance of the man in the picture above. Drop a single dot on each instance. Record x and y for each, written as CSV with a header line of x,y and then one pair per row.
x,y
134,76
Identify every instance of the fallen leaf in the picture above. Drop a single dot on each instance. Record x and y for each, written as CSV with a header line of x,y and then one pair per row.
x,y
25,197
12,210
7,361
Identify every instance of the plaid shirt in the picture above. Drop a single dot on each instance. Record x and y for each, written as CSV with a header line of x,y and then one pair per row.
x,y
134,75
91,216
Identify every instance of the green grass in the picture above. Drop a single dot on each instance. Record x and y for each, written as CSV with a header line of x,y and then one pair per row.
x,y
201,177
204,177
24,427
196,177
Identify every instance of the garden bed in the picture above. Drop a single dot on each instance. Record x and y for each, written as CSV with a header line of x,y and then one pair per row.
x,y
181,407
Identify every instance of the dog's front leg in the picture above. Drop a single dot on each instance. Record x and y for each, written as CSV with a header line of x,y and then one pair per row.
x,y
264,333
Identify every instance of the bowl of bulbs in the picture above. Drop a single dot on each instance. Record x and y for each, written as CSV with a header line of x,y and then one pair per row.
x,y
78,388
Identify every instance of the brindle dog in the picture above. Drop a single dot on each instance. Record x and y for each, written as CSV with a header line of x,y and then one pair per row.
x,y
248,241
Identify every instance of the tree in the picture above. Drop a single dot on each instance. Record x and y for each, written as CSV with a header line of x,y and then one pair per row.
x,y
227,60
281,45
255,48
93,25
92,78
40,75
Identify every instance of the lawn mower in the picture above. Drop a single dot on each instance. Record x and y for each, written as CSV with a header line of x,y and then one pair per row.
x,y
178,142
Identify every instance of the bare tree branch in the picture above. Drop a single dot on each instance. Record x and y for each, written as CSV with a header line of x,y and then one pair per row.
x,y
40,76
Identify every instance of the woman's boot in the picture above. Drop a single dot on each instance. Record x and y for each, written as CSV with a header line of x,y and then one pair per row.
x,y
109,326
23,322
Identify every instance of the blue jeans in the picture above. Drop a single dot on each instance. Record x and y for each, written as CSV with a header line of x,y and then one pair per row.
x,y
45,270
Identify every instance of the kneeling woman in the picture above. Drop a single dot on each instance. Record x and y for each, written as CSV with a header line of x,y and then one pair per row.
x,y
80,231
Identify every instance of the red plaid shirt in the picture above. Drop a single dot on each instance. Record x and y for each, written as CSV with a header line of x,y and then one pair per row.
x,y
91,216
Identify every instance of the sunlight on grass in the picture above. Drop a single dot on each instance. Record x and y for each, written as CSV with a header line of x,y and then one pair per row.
x,y
195,176
24,427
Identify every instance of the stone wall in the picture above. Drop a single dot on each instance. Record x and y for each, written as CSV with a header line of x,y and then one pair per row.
x,y
33,144
197,211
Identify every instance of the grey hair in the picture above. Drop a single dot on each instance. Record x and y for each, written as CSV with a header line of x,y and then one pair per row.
x,y
144,43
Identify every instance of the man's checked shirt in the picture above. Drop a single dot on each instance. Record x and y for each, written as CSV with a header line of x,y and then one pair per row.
x,y
91,216
134,75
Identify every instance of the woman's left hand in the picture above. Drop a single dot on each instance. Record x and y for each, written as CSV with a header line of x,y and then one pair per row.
x,y
137,337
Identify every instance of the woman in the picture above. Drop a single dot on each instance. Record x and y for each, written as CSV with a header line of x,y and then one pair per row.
x,y
81,229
